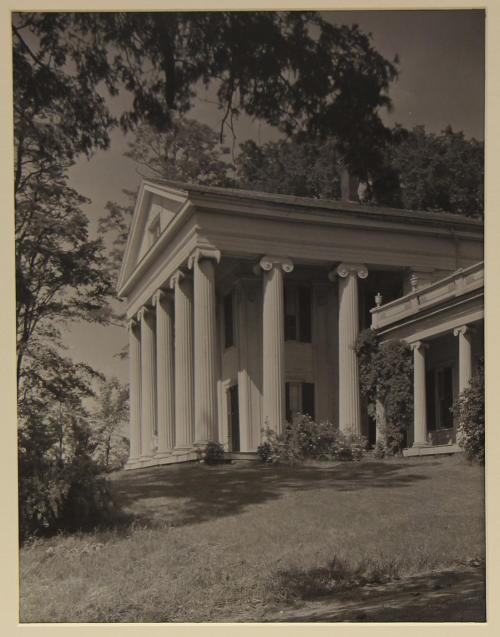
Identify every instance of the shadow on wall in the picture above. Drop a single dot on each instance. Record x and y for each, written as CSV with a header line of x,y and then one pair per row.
x,y
184,494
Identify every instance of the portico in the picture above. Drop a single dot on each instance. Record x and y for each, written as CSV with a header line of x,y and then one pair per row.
x,y
245,307
443,324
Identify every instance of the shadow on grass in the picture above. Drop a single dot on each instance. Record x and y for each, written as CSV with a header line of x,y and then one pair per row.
x,y
333,594
185,494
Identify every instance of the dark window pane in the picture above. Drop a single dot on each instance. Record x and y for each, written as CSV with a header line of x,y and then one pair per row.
x,y
288,414
290,327
228,321
308,399
234,418
431,408
446,397
305,314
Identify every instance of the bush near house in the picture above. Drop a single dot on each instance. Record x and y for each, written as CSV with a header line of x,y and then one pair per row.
x,y
469,410
211,453
306,439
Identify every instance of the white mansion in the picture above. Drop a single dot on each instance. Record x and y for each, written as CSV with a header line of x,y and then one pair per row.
x,y
244,307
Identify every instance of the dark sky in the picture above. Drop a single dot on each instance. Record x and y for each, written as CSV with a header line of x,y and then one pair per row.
x,y
441,82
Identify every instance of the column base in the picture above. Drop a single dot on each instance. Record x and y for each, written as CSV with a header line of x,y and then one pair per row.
x,y
432,450
175,457
420,445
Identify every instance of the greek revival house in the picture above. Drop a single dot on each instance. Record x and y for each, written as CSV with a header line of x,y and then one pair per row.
x,y
243,309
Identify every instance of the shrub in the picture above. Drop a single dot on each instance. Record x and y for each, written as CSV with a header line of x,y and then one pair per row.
x,y
211,453
469,411
60,492
306,439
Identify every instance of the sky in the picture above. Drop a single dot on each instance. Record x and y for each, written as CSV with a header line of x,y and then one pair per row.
x,y
440,83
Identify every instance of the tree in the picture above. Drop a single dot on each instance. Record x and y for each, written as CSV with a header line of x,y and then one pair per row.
x,y
61,274
188,151
108,419
425,171
294,70
414,170
301,166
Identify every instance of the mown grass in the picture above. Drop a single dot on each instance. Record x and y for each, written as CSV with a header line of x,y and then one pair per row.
x,y
216,543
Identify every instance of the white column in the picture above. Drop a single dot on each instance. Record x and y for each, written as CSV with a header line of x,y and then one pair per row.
x,y
165,372
202,262
273,378
349,400
464,334
183,357
419,395
148,381
244,400
134,353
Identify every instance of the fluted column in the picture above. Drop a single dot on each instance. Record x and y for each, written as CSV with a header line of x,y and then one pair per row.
x,y
134,352
419,395
464,356
183,359
202,262
273,379
349,400
165,371
148,380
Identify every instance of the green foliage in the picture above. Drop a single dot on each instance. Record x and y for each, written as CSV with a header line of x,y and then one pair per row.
x,y
211,453
386,375
108,421
469,411
303,167
306,439
60,486
188,151
409,169
425,171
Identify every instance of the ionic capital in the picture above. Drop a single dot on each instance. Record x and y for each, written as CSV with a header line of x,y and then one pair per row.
x,y
203,253
176,278
160,296
132,325
463,330
143,313
345,269
267,263
419,345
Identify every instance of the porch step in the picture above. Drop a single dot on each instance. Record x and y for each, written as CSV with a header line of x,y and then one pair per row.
x,y
431,450
242,455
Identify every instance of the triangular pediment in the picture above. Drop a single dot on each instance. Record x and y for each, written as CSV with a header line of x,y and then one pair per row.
x,y
156,207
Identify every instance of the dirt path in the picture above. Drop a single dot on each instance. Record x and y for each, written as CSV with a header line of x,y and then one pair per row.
x,y
447,596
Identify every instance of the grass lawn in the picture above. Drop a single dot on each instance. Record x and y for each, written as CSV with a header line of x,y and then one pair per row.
x,y
213,543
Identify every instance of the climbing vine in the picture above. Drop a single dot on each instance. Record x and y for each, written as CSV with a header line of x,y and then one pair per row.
x,y
386,375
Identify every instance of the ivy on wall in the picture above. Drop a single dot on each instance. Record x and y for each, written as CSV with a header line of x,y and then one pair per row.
x,y
386,376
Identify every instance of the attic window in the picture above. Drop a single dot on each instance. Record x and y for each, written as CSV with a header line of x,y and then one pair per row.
x,y
154,230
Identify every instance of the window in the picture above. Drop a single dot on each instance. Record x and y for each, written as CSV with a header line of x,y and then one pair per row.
x,y
297,313
299,398
154,230
228,321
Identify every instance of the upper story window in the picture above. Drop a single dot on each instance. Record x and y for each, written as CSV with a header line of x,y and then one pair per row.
x,y
154,230
228,320
297,313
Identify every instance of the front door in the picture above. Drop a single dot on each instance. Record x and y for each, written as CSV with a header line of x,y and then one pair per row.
x,y
234,418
